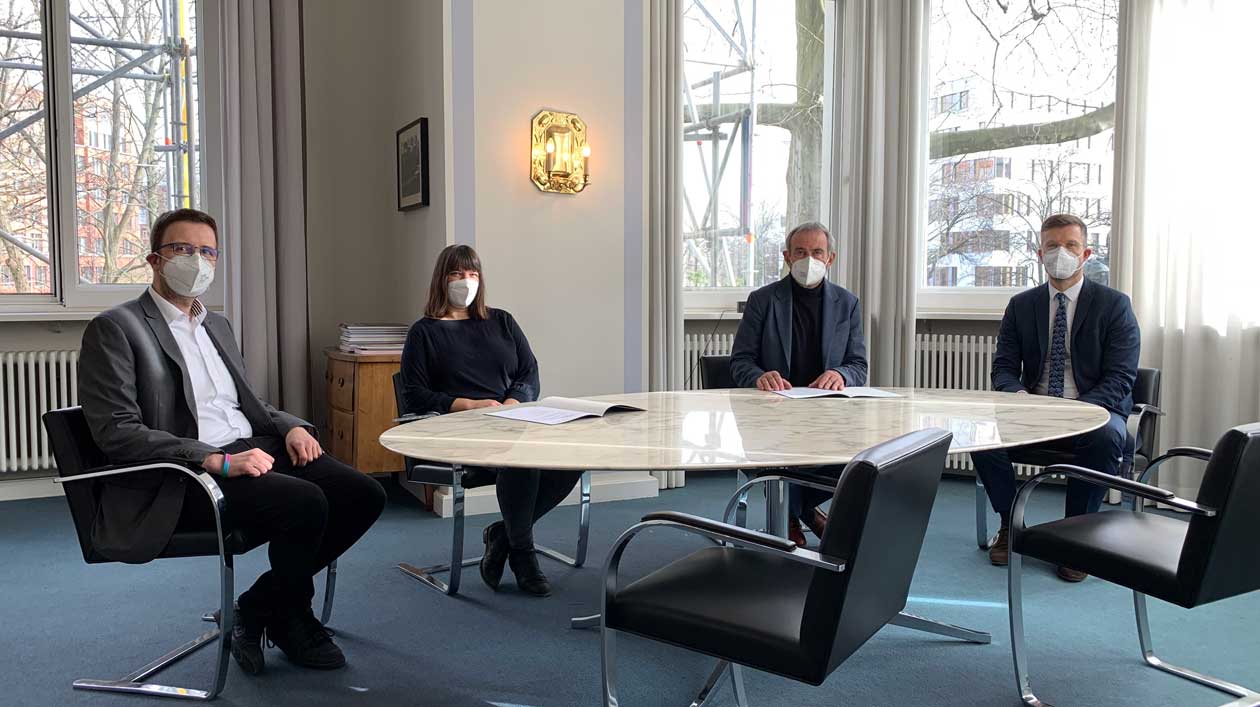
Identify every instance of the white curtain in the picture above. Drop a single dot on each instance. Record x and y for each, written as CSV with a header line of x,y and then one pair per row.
x,y
264,193
665,309
878,163
1185,234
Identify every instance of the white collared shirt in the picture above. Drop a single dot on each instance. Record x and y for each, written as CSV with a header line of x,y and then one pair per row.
x,y
219,416
1073,294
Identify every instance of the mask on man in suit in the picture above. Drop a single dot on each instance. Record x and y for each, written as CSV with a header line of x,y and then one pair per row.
x,y
188,275
808,272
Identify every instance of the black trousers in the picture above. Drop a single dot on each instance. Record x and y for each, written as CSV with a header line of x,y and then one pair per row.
x,y
525,495
309,516
802,501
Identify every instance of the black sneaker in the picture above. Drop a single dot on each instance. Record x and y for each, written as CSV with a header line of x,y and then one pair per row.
x,y
496,554
305,641
247,637
529,577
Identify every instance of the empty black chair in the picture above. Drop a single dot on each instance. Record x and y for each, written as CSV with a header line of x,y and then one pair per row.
x,y
1188,563
764,603
715,372
458,479
81,467
1140,445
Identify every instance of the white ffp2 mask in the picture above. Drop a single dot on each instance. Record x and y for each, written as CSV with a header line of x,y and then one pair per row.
x,y
461,293
808,271
1060,263
188,275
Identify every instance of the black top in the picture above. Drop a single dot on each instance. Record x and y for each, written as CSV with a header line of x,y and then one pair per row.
x,y
479,359
807,359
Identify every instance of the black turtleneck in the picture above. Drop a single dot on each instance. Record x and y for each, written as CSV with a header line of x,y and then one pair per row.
x,y
807,359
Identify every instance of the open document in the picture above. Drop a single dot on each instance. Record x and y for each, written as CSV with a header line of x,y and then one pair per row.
x,y
850,392
557,411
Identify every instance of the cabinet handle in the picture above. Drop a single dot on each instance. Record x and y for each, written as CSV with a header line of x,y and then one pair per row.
x,y
341,434
341,382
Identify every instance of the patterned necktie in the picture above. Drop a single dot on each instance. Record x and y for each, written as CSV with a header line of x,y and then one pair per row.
x,y
1058,347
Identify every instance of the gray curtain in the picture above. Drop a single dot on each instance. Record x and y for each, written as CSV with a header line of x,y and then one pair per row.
x,y
878,163
264,193
665,308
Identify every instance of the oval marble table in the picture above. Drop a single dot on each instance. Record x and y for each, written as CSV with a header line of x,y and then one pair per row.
x,y
745,429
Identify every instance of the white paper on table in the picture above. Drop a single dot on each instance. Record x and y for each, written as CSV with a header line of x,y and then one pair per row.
x,y
852,392
555,410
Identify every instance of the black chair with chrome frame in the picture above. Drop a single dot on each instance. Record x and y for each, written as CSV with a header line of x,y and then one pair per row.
x,y
1188,563
81,466
458,480
1141,443
756,600
715,372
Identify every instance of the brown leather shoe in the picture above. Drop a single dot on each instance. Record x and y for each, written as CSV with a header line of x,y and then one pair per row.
x,y
817,523
795,534
1067,574
1000,550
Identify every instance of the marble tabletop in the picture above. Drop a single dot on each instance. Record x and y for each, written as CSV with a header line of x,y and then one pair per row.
x,y
740,429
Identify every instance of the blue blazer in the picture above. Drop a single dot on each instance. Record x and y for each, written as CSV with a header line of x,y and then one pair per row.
x,y
764,340
1105,342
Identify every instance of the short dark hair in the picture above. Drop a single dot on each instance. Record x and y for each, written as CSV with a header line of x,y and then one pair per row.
x,y
1061,220
176,216
452,258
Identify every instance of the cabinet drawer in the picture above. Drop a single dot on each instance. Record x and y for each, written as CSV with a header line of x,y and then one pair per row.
x,y
341,431
341,384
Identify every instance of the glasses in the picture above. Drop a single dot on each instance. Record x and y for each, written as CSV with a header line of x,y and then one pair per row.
x,y
207,252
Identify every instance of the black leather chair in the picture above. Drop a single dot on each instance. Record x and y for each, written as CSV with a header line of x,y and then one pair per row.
x,y
715,372
1141,442
458,480
81,467
1188,563
759,601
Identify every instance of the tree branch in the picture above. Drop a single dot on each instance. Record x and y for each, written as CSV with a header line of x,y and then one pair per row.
x,y
963,142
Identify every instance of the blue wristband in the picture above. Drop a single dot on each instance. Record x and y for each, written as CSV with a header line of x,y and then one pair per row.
x,y
227,461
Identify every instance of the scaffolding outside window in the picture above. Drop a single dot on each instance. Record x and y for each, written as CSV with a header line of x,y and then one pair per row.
x,y
122,84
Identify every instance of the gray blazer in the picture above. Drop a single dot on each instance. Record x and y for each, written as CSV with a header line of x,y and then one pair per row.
x,y
138,401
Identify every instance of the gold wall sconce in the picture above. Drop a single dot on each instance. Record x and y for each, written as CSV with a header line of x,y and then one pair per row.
x,y
560,158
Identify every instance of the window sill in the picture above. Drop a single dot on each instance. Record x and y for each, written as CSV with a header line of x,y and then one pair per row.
x,y
712,314
954,314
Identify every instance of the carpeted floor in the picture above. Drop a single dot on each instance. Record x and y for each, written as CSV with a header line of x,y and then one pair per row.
x,y
408,645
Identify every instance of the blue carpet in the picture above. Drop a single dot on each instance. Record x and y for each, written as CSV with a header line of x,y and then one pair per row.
x,y
408,645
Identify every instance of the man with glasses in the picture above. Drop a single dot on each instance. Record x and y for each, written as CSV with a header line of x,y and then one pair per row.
x,y
1069,338
160,377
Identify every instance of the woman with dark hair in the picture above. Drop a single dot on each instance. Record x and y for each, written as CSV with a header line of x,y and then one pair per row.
x,y
462,355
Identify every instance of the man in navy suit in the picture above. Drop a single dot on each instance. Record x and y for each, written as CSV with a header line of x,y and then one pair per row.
x,y
802,331
1070,338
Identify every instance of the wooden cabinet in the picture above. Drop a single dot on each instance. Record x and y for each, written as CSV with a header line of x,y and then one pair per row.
x,y
361,407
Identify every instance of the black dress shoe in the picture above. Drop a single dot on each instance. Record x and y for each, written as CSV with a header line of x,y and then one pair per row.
x,y
795,534
247,636
305,641
1000,550
816,521
529,577
496,554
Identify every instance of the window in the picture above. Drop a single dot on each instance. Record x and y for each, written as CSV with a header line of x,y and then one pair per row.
x,y
1048,76
755,91
130,112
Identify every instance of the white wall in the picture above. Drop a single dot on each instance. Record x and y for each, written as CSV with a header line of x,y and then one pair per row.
x,y
370,68
556,261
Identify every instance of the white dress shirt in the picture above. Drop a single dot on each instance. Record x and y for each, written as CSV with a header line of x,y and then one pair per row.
x,y
219,416
1072,293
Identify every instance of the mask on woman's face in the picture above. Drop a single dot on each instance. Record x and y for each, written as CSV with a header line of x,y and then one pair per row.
x,y
1060,263
461,293
188,275
808,272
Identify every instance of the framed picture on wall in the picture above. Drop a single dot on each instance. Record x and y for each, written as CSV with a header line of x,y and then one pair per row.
x,y
413,164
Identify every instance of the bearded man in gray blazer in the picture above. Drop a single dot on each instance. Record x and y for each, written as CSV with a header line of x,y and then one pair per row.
x,y
161,377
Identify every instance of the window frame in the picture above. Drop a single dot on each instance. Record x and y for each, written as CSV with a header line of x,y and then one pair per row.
x,y
70,299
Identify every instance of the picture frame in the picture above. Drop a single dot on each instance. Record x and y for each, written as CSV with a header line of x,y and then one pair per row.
x,y
411,143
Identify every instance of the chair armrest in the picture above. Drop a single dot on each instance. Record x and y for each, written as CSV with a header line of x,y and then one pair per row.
x,y
1136,488
794,477
412,417
734,532
1143,409
1192,452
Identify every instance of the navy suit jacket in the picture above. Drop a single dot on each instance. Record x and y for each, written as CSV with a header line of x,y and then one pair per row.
x,y
1105,342
764,340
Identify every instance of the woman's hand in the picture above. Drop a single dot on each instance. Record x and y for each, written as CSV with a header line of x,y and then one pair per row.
x,y
462,404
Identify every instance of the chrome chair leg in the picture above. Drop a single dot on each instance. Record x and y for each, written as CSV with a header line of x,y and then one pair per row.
x,y
424,575
584,528
737,685
330,588
134,683
1148,655
741,508
710,684
607,663
1015,598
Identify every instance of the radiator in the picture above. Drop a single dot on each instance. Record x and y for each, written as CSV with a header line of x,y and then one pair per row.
x,y
32,383
697,345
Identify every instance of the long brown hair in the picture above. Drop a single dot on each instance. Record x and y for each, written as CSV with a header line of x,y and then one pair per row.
x,y
451,259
